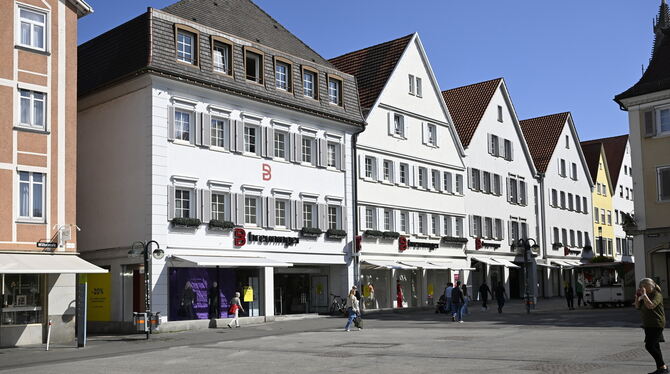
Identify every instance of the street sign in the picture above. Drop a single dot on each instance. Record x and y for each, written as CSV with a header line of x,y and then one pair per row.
x,y
47,245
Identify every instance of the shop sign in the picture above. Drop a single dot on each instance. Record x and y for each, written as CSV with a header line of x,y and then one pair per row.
x,y
98,300
248,294
404,243
241,238
41,244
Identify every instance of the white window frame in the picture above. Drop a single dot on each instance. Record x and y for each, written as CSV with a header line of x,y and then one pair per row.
x,y
370,218
500,113
431,136
387,171
285,145
31,217
248,210
458,227
182,54
403,174
310,214
388,220
29,96
459,184
658,124
419,88
179,211
398,125
370,166
403,224
256,139
179,130
307,90
308,143
278,213
411,84
226,204
334,211
221,57
335,91
283,78
258,70
32,23
422,177
332,155
660,185
222,141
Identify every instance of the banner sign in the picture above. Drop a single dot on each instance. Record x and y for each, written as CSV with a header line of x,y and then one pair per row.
x,y
241,238
404,243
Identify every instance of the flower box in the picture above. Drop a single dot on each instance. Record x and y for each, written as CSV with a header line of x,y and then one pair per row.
x,y
311,232
390,235
373,233
601,259
336,234
182,222
454,239
216,224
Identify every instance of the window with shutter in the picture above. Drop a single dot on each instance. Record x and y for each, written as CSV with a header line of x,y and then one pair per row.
x,y
649,125
459,184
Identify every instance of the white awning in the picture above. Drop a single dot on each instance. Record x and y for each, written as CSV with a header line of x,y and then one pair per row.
x,y
422,265
547,265
453,265
45,263
505,262
486,260
388,264
566,263
229,261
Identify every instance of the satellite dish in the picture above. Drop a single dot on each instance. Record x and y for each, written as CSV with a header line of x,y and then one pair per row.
x,y
158,254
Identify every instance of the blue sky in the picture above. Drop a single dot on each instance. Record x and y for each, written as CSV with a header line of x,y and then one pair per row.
x,y
569,55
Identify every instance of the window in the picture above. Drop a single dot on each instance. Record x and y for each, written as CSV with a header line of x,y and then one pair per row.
x,y
476,226
500,113
251,210
562,171
423,183
280,213
22,297
221,57
182,125
488,228
370,164
596,215
334,91
570,203
403,171
663,118
663,174
578,203
182,203
31,195
562,200
308,215
280,145
309,84
567,142
602,216
448,230
403,221
419,90
422,224
251,140
411,84
494,145
459,227
369,218
515,230
33,26
572,238
584,205
498,229
218,132
476,182
448,183
187,47
283,76
557,239
434,225
435,180
253,66
616,216
609,217
332,155
308,150
497,185
580,242
486,185
219,206
573,171
508,150
564,234
621,190
431,136
387,220
334,217
33,109
604,189
398,125
459,184
554,198
388,171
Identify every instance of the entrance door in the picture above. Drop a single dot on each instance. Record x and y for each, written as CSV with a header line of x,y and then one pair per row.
x,y
514,283
139,304
319,293
292,293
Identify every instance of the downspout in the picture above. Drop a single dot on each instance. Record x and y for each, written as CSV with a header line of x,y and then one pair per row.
x,y
354,198
543,231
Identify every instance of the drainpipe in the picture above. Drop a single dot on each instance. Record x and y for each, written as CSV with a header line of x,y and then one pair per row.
x,y
543,231
354,198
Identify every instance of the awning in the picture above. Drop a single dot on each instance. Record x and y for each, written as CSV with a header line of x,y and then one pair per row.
x,y
388,264
422,265
46,263
486,260
547,265
453,265
229,261
566,263
504,262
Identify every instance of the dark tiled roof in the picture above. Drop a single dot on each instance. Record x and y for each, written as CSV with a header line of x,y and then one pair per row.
x,y
467,105
542,134
246,20
615,151
592,155
372,67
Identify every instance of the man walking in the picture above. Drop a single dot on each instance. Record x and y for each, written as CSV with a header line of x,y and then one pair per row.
x,y
447,296
569,296
501,295
579,288
457,303
484,292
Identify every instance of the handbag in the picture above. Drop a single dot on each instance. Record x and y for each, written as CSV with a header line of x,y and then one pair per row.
x,y
233,308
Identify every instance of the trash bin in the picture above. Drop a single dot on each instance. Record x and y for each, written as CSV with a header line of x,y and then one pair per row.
x,y
155,320
140,321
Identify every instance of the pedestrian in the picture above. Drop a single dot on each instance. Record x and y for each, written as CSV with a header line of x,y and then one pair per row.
x,y
447,295
235,307
214,301
466,300
649,301
579,288
352,308
569,296
188,299
500,295
457,303
484,292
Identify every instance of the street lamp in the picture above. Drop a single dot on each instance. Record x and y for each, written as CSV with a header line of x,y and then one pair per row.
x,y
528,250
142,249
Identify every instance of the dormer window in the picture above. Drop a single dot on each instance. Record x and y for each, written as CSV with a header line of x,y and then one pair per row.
x,y
221,57
310,83
187,44
253,66
283,75
334,90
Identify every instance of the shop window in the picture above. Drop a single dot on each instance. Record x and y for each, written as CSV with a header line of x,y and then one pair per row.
x,y
21,298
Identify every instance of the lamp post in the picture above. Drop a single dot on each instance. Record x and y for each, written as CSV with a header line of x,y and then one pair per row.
x,y
142,249
527,252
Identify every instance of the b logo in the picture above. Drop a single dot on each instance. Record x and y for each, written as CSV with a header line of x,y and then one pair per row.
x,y
267,172
240,237
402,243
478,244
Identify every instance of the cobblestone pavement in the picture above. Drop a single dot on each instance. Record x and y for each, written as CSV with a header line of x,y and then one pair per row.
x,y
549,340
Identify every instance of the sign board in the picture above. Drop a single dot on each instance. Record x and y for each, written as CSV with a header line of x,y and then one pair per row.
x,y
248,294
241,238
99,297
47,245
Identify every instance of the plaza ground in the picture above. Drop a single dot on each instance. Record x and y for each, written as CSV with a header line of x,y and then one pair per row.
x,y
550,340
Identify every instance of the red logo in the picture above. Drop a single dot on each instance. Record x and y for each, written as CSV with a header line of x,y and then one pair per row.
x,y
478,244
267,172
402,243
359,246
566,251
240,237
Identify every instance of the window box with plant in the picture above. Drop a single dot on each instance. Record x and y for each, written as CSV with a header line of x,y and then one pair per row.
x,y
311,232
183,222
336,234
219,225
454,239
373,233
601,259
557,245
588,248
390,235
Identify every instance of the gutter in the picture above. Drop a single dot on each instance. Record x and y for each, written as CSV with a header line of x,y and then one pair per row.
x,y
354,198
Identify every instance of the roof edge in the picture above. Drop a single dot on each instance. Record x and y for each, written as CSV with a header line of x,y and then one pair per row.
x,y
83,8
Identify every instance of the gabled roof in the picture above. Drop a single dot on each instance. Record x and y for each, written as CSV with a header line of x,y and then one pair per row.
x,y
82,7
542,134
372,67
592,154
245,19
615,150
467,105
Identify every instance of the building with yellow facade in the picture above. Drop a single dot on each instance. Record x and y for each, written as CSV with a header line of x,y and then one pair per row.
x,y
603,228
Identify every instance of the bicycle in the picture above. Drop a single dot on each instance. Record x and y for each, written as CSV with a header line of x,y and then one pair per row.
x,y
338,305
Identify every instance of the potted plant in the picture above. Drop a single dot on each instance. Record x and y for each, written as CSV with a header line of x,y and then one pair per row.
x,y
588,248
454,239
390,235
373,233
183,222
336,234
601,259
557,245
216,224
311,232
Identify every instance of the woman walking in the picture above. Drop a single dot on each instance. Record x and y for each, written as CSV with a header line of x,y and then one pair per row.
x,y
466,300
352,308
501,296
569,296
235,306
649,301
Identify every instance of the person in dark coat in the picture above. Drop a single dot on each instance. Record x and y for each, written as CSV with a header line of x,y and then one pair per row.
x,y
188,299
501,295
214,301
457,303
649,301
484,292
570,296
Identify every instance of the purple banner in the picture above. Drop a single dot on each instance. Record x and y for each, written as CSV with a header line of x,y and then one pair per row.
x,y
189,292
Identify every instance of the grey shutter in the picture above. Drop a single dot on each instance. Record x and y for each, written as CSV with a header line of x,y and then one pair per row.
x,y
361,218
170,205
343,218
262,142
649,125
509,227
412,218
323,153
471,224
469,178
270,142
298,148
206,129
502,229
261,215
343,158
206,205
323,217
194,129
424,132
440,187
272,213
511,151
415,176
298,215
496,234
239,209
509,190
170,131
489,139
448,182
501,148
239,136
194,203
389,119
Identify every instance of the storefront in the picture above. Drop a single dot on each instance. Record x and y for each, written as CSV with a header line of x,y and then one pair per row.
x,y
498,269
301,289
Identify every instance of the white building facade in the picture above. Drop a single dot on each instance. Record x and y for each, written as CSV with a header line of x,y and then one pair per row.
x,y
622,200
410,183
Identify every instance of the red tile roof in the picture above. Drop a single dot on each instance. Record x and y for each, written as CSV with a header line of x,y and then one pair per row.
x,y
592,155
542,134
615,150
372,67
467,105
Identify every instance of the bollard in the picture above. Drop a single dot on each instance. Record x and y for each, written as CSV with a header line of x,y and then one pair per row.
x,y
49,333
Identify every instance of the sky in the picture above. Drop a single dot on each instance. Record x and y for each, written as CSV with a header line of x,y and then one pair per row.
x,y
555,56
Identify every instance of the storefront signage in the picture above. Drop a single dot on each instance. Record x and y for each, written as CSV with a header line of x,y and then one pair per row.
x,y
404,243
479,244
267,172
240,238
47,245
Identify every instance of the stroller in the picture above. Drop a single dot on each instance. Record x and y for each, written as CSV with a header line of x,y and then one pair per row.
x,y
441,306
